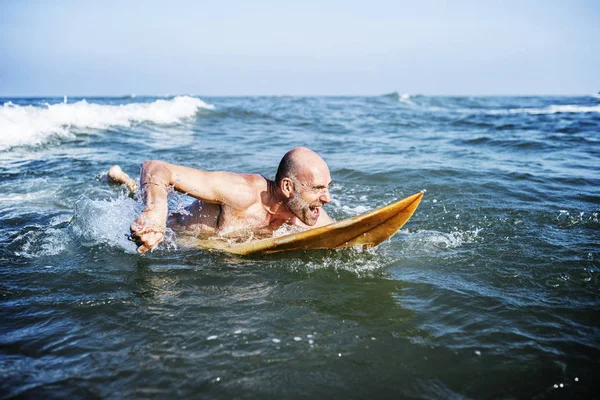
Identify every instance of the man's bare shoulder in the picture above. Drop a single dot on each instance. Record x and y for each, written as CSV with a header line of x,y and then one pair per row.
x,y
256,181
246,190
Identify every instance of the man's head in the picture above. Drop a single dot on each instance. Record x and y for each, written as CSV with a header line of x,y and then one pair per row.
x,y
303,177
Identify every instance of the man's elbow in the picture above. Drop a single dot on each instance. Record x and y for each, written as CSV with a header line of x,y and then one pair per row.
x,y
157,169
150,166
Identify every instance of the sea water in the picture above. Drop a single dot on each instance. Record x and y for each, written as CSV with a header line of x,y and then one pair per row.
x,y
491,290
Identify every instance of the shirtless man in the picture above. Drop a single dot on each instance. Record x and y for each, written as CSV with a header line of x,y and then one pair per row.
x,y
227,202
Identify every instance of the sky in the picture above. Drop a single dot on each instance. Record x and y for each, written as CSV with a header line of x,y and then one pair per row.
x,y
263,47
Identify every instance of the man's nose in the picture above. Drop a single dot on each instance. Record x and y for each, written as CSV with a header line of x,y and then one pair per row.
x,y
325,197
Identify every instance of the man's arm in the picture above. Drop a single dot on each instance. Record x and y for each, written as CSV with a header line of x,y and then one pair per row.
x,y
157,176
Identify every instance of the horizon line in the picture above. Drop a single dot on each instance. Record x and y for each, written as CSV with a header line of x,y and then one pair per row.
x,y
135,95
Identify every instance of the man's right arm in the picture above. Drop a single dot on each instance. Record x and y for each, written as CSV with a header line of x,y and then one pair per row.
x,y
149,227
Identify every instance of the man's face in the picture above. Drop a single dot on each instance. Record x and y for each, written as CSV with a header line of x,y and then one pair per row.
x,y
310,194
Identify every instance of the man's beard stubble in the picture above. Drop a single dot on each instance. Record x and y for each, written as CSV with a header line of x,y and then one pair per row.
x,y
300,208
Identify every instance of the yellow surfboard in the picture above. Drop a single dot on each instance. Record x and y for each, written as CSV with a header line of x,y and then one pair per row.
x,y
365,230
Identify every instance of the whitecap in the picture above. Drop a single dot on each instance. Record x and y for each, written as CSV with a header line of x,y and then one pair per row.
x,y
35,125
552,109
405,98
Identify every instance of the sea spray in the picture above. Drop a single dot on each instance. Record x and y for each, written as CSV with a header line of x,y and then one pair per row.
x,y
105,221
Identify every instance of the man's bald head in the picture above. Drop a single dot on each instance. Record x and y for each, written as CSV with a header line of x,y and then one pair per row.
x,y
303,181
297,163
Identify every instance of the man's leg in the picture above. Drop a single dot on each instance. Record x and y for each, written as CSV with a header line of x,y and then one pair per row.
x,y
115,174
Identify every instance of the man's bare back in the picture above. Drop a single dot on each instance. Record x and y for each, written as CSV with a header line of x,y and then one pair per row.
x,y
229,203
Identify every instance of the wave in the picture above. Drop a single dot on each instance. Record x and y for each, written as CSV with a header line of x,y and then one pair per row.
x,y
404,98
31,125
553,109
485,105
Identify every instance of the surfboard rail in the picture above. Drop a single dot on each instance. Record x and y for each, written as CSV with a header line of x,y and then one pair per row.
x,y
365,230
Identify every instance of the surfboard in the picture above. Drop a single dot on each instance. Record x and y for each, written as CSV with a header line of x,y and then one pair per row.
x,y
365,230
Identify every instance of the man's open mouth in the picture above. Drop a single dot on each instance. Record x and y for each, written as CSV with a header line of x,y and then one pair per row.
x,y
315,211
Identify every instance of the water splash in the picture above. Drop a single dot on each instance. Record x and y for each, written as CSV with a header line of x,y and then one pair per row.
x,y
37,242
430,241
358,262
105,222
566,219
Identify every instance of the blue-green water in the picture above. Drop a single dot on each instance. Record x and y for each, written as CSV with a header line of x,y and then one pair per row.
x,y
490,291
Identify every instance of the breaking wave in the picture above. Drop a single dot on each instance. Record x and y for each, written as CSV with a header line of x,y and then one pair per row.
x,y
553,109
35,125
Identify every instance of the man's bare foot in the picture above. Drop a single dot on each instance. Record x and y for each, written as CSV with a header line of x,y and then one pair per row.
x,y
115,174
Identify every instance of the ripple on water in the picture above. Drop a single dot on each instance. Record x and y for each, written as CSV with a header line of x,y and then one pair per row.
x,y
495,278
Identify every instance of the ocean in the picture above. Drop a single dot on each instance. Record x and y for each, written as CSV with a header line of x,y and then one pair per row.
x,y
490,291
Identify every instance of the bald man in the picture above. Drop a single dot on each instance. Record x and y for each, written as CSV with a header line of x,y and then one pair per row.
x,y
229,203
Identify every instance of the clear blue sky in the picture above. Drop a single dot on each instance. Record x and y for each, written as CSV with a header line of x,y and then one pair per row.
x,y
303,47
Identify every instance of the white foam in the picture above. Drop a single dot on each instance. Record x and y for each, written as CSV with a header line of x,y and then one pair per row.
x,y
42,242
405,98
566,219
553,109
434,241
287,230
34,125
362,263
355,210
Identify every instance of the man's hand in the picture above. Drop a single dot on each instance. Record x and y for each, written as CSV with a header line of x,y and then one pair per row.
x,y
148,229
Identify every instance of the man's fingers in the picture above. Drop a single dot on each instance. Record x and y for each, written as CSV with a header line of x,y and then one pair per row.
x,y
147,241
139,231
153,239
146,233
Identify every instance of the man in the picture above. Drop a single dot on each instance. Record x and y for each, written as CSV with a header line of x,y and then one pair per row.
x,y
229,203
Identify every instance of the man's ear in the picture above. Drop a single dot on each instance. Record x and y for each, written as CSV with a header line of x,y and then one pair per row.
x,y
287,187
